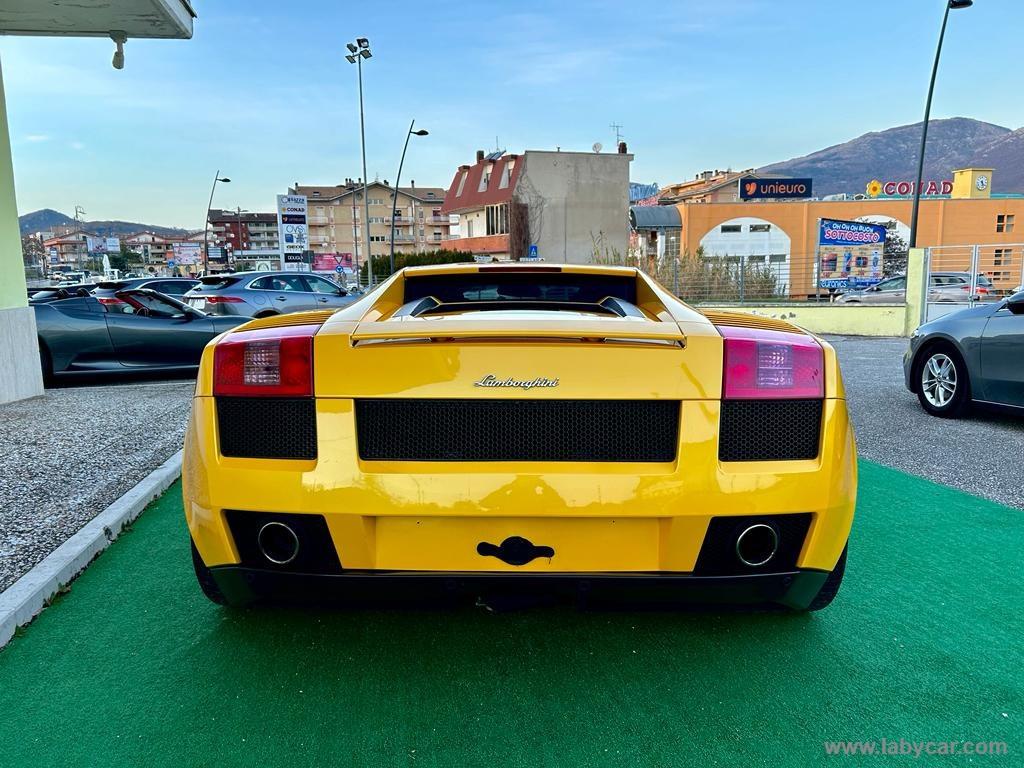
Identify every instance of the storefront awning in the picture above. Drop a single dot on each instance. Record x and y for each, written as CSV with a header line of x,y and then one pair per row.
x,y
654,217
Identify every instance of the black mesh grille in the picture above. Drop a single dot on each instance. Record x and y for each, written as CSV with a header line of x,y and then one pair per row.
x,y
718,552
267,427
518,430
769,430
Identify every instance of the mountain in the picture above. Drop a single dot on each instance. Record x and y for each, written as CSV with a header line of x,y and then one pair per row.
x,y
47,218
958,142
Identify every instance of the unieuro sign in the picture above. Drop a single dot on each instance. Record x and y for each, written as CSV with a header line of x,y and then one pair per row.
x,y
774,189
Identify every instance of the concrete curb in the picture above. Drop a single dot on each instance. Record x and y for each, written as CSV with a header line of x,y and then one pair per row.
x,y
26,598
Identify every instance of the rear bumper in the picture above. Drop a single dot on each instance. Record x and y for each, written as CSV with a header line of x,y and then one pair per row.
x,y
792,589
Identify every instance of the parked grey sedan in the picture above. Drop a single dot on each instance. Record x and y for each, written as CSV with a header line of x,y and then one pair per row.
x,y
975,355
260,294
943,287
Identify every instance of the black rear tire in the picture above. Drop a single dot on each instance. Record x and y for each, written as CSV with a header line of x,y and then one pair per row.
x,y
205,579
830,588
46,365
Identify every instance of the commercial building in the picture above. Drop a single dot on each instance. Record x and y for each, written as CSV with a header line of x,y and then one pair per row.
x,y
243,240
552,205
783,235
336,214
20,375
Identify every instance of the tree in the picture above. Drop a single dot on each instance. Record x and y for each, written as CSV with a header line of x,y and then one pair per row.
x,y
895,253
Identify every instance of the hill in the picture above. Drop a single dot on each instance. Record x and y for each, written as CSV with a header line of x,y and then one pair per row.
x,y
47,218
958,142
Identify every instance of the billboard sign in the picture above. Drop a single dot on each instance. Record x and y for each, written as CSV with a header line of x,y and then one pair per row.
x,y
292,225
851,254
331,262
101,245
774,189
187,253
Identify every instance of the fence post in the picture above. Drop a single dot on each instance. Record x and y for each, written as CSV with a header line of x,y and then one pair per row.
x,y
743,270
975,265
917,288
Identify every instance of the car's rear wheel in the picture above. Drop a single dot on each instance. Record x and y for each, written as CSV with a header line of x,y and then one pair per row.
x,y
942,384
830,588
46,365
205,579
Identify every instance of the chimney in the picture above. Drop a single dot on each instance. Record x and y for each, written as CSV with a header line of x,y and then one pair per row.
x,y
622,147
412,184
479,155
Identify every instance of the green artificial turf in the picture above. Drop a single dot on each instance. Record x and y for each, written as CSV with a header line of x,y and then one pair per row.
x,y
135,667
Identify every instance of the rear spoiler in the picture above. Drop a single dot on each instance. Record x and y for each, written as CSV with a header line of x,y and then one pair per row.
x,y
591,330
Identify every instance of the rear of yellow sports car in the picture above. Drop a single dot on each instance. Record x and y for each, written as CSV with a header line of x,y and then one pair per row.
x,y
571,431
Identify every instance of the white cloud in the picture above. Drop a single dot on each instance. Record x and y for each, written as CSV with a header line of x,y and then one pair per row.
x,y
35,138
76,145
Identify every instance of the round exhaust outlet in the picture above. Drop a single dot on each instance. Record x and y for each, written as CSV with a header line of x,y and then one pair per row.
x,y
757,545
278,543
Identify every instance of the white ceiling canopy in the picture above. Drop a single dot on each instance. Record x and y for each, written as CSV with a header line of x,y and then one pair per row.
x,y
97,18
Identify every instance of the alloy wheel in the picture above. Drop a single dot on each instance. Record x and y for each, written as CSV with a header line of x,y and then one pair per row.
x,y
938,380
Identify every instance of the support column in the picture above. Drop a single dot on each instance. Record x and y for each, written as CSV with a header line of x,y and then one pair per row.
x,y
20,373
917,289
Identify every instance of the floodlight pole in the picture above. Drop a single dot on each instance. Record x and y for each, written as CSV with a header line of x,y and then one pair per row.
x,y
394,195
950,5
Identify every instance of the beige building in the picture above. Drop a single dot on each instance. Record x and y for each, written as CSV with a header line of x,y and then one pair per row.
x,y
335,217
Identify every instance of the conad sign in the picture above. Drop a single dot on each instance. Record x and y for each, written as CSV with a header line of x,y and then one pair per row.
x,y
906,188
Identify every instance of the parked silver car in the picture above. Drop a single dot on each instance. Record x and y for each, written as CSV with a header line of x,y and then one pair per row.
x,y
259,294
945,287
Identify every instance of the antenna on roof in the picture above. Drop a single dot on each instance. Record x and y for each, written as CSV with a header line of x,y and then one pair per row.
x,y
618,135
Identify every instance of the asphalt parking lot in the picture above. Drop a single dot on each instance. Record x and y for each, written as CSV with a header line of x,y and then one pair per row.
x,y
72,452
982,454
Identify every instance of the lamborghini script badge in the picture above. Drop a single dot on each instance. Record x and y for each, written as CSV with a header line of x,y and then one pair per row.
x,y
493,381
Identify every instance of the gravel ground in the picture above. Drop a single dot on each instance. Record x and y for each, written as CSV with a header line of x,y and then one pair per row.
x,y
72,452
982,454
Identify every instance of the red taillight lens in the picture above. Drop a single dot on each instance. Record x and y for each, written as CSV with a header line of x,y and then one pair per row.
x,y
764,364
220,299
108,301
273,362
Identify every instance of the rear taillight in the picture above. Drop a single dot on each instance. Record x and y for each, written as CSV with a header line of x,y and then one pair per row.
x,y
273,362
218,299
765,364
108,301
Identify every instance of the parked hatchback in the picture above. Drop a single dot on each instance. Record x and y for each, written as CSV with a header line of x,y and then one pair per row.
x,y
945,287
259,294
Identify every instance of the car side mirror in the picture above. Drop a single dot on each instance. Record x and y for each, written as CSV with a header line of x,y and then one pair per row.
x,y
1016,303
342,292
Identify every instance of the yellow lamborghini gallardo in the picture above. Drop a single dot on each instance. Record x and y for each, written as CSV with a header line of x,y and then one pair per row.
x,y
575,431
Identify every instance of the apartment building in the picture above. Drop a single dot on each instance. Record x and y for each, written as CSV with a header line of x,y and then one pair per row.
x,y
336,214
69,249
243,240
553,205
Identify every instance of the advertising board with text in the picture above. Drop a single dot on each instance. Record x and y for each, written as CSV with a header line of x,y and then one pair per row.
x,y
292,224
851,254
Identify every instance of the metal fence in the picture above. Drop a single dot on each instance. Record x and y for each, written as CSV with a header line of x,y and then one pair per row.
x,y
964,275
746,279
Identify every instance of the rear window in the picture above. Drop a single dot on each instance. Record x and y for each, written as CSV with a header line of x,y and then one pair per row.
x,y
521,286
216,283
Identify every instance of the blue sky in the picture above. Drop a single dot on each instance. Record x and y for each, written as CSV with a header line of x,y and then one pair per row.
x,y
262,91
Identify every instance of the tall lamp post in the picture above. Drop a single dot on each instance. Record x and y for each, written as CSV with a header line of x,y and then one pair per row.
x,y
358,51
398,180
951,5
206,221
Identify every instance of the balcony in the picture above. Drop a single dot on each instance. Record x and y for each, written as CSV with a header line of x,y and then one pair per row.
x,y
439,220
316,219
399,220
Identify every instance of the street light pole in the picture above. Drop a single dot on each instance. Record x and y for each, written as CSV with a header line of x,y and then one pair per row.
x,y
206,222
950,6
357,52
398,180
